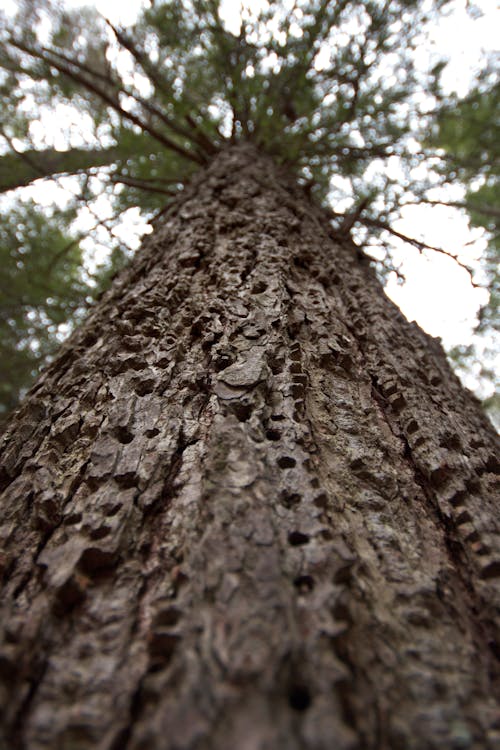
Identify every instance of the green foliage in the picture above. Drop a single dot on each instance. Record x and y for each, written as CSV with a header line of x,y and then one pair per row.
x,y
467,130
41,290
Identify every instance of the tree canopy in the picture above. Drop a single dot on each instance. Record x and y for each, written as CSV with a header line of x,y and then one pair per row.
x,y
331,89
467,130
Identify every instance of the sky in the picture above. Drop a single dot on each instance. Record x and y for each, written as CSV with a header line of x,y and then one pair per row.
x,y
437,293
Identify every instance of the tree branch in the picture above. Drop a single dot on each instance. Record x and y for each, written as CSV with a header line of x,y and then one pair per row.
x,y
196,133
480,209
419,244
147,185
20,168
110,101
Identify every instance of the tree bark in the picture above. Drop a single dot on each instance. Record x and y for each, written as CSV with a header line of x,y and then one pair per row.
x,y
249,505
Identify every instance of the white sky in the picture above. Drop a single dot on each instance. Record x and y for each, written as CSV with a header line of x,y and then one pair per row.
x,y
437,292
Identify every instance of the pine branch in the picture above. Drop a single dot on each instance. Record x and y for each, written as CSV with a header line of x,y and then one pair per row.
x,y
24,157
121,88
196,133
419,244
349,219
110,101
480,209
37,164
147,185
83,235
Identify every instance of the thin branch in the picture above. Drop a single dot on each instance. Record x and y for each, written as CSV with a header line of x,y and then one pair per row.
x,y
30,162
83,235
114,104
120,88
350,218
196,133
480,209
419,244
147,185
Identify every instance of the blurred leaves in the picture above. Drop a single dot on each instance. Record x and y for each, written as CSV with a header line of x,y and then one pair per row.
x,y
467,130
41,289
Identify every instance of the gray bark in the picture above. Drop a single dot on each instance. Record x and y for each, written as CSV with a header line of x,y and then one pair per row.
x,y
249,505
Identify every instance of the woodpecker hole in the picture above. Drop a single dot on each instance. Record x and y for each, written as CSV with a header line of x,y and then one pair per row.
x,y
299,697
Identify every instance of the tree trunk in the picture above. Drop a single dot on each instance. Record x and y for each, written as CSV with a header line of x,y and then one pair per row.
x,y
249,506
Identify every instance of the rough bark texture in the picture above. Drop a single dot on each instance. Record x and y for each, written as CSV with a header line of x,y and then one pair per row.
x,y
249,505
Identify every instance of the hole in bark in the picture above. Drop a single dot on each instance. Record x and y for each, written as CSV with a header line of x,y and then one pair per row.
x,y
495,648
286,462
89,340
277,365
242,411
167,617
123,435
472,536
198,328
126,481
463,517
273,434
152,433
459,498
298,409
412,427
222,362
343,573
473,485
451,440
69,595
100,532
162,646
122,738
304,584
133,343
143,387
259,287
492,464
297,538
290,499
439,475
299,697
341,612
300,262
132,362
94,560
277,417
492,570
321,501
